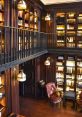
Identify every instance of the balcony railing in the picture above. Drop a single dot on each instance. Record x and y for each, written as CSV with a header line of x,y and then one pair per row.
x,y
18,43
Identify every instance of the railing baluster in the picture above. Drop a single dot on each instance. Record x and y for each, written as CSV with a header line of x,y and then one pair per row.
x,y
16,43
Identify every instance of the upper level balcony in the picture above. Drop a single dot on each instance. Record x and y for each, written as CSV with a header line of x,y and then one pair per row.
x,y
19,45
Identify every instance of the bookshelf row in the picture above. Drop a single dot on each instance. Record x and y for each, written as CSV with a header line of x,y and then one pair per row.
x,y
69,73
69,29
29,18
2,95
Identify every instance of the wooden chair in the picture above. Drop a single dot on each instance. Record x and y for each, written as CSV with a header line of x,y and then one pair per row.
x,y
52,93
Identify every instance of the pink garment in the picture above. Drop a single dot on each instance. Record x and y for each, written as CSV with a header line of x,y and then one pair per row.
x,y
51,87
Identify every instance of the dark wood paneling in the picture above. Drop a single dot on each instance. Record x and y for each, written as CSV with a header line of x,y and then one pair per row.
x,y
27,88
37,75
8,91
15,90
67,51
65,6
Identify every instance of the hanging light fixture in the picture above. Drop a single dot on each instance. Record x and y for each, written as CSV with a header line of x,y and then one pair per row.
x,y
21,5
21,77
47,62
47,17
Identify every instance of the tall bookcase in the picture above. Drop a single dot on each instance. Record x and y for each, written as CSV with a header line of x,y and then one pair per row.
x,y
60,29
79,76
79,30
3,103
69,29
2,47
60,71
28,20
69,73
2,75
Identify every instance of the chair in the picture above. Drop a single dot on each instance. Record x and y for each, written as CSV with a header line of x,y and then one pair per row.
x,y
79,102
52,93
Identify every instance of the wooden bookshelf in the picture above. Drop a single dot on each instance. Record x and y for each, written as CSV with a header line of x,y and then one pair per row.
x,y
79,76
60,29
79,30
60,72
70,73
28,20
69,29
2,95
1,24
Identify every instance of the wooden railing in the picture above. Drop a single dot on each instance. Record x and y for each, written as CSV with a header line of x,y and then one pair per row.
x,y
16,43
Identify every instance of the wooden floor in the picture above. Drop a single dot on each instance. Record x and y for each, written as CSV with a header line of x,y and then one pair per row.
x,y
42,108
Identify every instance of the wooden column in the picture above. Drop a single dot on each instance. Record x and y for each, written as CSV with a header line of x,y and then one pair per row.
x,y
37,75
8,90
15,89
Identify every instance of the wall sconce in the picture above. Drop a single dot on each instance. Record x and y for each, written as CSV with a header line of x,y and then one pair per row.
x,y
21,5
47,17
47,62
21,77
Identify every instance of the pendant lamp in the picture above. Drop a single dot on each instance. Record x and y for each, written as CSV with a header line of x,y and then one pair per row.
x,y
47,17
21,5
47,62
21,77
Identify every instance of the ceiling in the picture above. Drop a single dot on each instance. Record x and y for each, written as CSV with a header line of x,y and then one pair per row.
x,y
47,2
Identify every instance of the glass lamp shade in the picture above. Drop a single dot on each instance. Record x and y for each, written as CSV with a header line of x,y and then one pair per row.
x,y
21,5
21,77
47,17
47,62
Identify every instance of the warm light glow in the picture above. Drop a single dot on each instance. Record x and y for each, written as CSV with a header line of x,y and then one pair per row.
x,y
79,64
67,88
60,27
21,77
47,2
60,15
47,62
1,17
71,14
60,68
21,5
70,63
71,20
47,17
